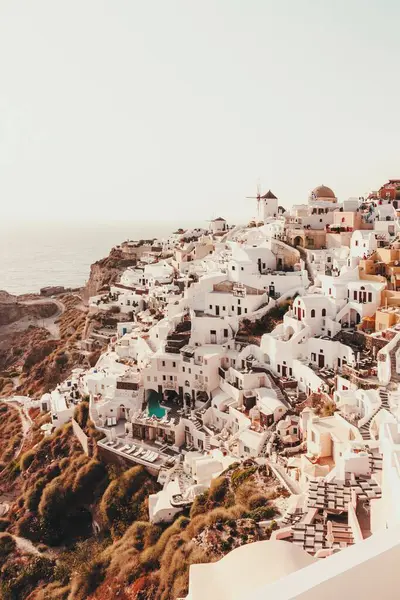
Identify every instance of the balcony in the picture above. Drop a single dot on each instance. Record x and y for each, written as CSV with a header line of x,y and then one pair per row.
x,y
221,372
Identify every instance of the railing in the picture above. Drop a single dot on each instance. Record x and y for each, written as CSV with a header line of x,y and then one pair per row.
x,y
221,372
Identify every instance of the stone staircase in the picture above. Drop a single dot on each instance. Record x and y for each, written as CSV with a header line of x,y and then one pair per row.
x,y
375,462
364,429
384,396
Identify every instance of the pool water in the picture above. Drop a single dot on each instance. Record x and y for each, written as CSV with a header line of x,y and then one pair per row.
x,y
153,405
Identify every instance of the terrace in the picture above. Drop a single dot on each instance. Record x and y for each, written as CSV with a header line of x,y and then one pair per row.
x,y
143,453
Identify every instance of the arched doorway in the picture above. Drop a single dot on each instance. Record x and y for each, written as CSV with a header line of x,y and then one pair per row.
x,y
201,396
298,241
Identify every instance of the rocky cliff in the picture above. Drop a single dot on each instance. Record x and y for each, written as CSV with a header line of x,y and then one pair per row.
x,y
10,312
105,272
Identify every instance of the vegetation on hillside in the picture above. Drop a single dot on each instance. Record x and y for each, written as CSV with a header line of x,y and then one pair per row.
x,y
11,433
88,521
266,323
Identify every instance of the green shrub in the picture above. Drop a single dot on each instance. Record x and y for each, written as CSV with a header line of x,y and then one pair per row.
x,y
19,579
27,459
81,413
262,513
86,481
218,490
257,500
7,546
123,499
4,524
240,475
199,505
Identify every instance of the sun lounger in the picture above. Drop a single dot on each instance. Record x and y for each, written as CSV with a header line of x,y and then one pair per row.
x,y
114,421
108,422
126,447
131,449
154,457
146,455
138,452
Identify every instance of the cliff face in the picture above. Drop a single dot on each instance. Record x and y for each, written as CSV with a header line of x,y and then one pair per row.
x,y
105,272
32,361
10,312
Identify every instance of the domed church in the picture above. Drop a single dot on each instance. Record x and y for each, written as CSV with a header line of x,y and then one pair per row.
x,y
322,193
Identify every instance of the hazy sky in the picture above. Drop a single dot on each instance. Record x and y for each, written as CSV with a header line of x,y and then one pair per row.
x,y
175,108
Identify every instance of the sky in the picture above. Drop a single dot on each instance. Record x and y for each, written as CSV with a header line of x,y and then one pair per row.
x,y
176,109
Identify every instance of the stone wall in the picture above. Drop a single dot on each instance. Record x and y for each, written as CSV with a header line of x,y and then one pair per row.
x,y
83,439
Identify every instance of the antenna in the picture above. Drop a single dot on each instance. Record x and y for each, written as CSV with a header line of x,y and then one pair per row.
x,y
258,198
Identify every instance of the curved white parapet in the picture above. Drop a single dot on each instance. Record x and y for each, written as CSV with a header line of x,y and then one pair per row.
x,y
239,574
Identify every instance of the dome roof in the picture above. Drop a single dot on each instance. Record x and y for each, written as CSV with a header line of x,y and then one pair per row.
x,y
322,191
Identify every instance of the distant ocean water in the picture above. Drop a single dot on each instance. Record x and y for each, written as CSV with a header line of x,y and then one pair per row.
x,y
40,254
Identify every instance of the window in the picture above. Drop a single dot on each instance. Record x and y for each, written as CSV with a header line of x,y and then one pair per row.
x,y
355,295
163,363
238,300
224,308
190,371
312,313
356,242
148,377
171,378
225,333
233,268
313,356
174,364
246,449
164,378
323,312
330,291
245,310
210,306
183,369
233,308
312,436
369,296
279,368
242,269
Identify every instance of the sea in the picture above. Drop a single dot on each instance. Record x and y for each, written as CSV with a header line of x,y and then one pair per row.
x,y
35,255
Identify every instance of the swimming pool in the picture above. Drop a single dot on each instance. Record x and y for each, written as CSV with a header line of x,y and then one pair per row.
x,y
153,405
